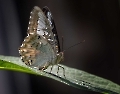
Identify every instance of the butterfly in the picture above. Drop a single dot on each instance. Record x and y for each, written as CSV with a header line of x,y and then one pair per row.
x,y
41,47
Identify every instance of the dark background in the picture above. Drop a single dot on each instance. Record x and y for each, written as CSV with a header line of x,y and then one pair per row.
x,y
95,21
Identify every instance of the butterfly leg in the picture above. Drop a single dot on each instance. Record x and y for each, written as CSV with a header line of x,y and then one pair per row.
x,y
59,66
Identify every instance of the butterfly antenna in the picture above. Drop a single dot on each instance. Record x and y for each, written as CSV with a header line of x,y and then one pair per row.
x,y
74,45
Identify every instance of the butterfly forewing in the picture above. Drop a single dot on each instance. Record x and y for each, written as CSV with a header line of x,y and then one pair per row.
x,y
41,46
53,27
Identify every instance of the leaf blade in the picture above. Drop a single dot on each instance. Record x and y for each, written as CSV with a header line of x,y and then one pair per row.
x,y
74,77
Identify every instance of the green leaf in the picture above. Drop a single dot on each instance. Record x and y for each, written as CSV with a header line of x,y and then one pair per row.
x,y
73,77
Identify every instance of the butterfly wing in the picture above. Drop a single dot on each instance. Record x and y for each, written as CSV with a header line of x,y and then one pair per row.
x,y
60,55
53,27
39,48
